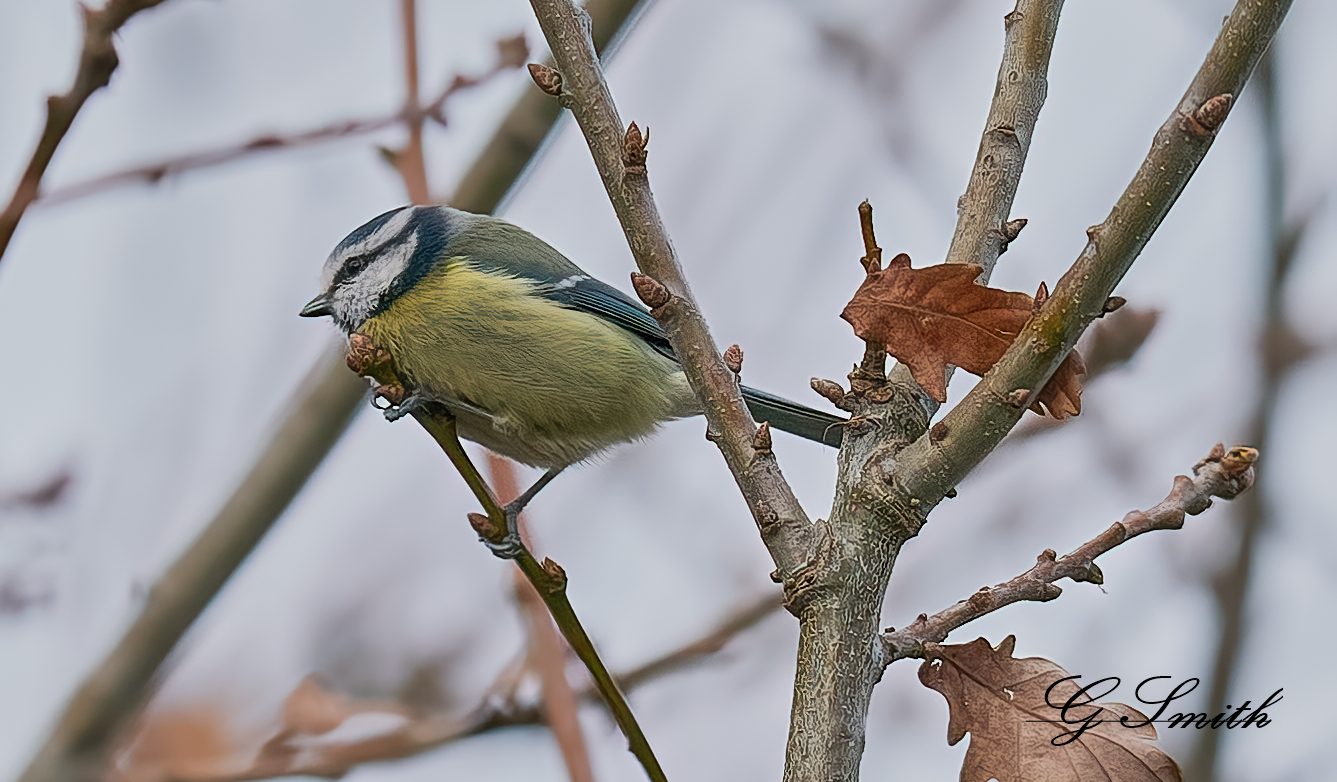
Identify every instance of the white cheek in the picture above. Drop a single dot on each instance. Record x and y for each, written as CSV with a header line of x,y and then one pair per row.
x,y
357,298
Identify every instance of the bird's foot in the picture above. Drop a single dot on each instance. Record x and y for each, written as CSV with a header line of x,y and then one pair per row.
x,y
406,406
399,403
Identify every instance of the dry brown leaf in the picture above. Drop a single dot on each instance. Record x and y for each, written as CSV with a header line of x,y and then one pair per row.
x,y
1000,701
937,316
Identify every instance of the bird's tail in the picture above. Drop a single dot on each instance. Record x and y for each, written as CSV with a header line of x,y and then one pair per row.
x,y
794,418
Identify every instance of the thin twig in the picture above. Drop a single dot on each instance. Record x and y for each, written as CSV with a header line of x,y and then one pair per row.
x,y
548,578
549,582
410,161
928,470
109,696
156,171
97,62
1222,474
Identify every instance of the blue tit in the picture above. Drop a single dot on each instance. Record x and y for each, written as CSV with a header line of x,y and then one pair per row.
x,y
537,360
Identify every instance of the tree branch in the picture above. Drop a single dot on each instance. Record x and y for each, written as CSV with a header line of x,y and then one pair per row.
x,y
983,230
928,469
156,171
1222,474
839,655
325,401
548,578
619,154
97,62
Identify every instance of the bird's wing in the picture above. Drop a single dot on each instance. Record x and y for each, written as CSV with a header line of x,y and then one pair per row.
x,y
584,293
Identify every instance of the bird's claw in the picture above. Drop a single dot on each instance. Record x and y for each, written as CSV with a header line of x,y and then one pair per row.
x,y
509,545
406,406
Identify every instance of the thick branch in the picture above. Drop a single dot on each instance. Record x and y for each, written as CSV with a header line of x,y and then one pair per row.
x,y
928,469
97,62
619,154
839,657
1222,474
113,691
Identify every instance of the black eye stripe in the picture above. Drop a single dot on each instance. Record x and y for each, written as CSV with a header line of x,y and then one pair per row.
x,y
353,267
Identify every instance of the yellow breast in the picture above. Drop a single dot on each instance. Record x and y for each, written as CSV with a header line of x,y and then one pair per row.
x,y
561,384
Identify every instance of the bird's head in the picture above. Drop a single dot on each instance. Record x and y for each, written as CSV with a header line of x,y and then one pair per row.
x,y
379,261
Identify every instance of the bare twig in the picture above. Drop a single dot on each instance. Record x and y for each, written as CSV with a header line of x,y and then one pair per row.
x,y
982,230
97,62
619,153
548,578
1222,474
927,470
111,693
410,161
546,651
156,171
741,619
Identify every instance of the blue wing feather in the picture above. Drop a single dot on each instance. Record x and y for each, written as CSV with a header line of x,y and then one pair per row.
x,y
605,301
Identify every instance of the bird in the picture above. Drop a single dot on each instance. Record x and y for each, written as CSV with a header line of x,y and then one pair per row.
x,y
536,359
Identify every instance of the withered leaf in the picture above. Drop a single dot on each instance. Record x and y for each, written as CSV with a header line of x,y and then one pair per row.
x,y
1000,701
935,316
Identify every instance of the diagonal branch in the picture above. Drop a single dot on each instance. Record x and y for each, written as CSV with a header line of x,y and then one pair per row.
x,y
97,62
156,171
929,469
619,154
548,578
1223,474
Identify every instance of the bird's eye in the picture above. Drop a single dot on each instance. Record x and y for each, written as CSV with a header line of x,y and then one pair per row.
x,y
356,264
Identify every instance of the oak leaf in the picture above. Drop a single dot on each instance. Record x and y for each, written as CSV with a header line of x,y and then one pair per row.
x,y
937,316
1001,701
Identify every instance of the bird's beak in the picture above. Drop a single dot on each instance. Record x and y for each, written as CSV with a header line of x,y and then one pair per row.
x,y
317,307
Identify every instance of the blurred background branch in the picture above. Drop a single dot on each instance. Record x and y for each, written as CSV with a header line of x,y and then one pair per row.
x,y
97,62
1279,350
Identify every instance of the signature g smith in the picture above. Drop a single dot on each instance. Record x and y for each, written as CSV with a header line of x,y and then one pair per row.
x,y
1080,711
